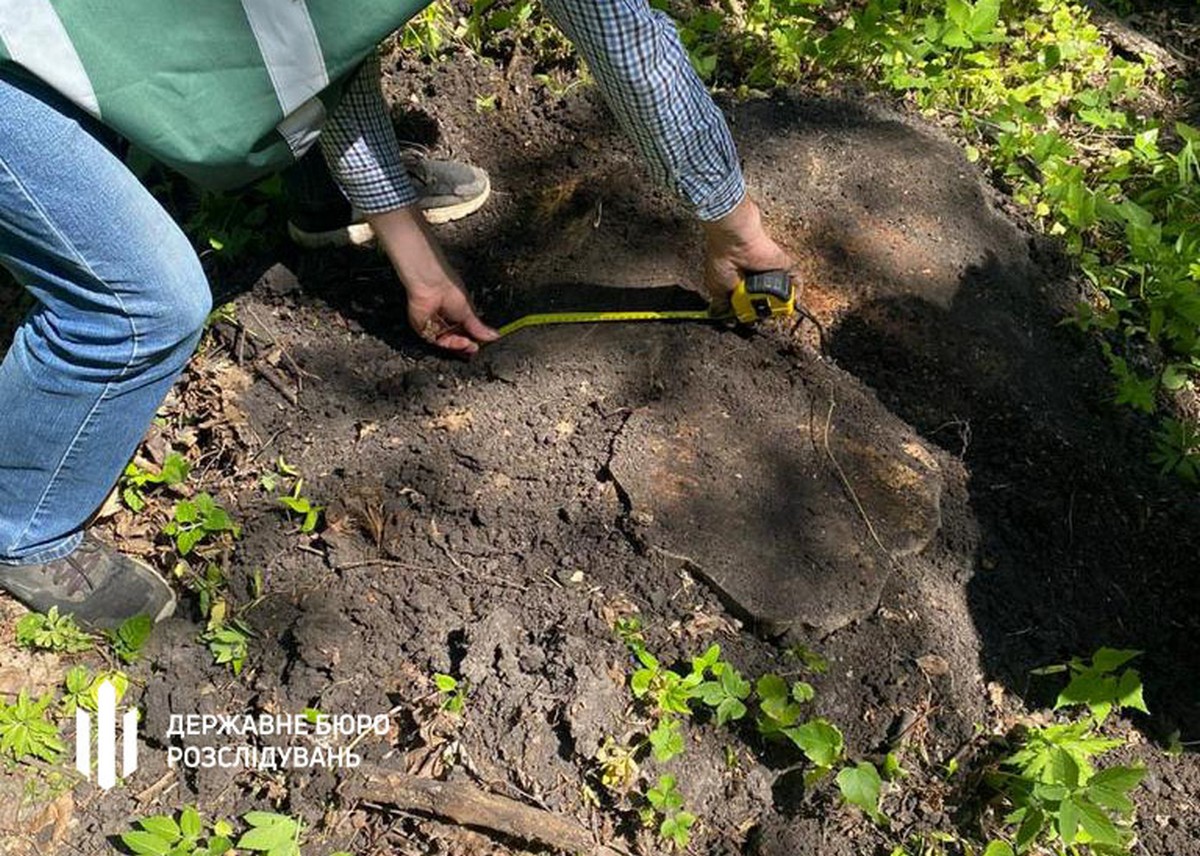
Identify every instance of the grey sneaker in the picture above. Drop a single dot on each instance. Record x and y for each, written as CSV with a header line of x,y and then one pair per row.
x,y
447,190
99,586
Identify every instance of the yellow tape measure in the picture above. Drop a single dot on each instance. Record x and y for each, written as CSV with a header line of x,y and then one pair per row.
x,y
759,296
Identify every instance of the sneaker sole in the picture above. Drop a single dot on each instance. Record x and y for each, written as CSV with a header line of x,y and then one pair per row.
x,y
354,235
362,235
448,213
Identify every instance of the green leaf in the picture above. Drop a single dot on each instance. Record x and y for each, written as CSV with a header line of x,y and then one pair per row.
x,y
1110,659
1096,823
666,739
1122,779
445,683
802,692
1031,826
731,709
163,826
186,512
186,540
145,843
271,833
189,823
1068,821
999,848
707,660
860,785
820,740
174,469
1129,691
733,683
134,631
639,682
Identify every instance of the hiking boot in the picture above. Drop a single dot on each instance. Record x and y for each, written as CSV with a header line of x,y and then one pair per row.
x,y
447,190
99,586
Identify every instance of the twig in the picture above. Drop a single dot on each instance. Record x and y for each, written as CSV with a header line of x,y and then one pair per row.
x,y
273,377
470,806
846,483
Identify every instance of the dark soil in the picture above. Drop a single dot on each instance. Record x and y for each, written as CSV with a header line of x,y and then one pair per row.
x,y
490,518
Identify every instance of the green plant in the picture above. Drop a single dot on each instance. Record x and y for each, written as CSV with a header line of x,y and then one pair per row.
x,y
1050,781
26,731
135,480
80,688
233,224
1055,789
809,659
666,801
53,632
669,690
297,503
1177,449
195,520
1096,685
271,834
209,587
128,640
164,835
454,692
666,739
229,643
727,693
861,786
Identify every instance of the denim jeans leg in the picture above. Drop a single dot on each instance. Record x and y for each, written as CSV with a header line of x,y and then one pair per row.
x,y
121,302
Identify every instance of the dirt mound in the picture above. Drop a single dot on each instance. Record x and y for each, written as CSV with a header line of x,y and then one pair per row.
x,y
490,519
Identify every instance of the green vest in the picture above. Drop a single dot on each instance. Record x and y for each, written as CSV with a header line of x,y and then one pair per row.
x,y
225,91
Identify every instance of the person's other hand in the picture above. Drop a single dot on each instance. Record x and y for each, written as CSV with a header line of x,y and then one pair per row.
x,y
438,307
735,245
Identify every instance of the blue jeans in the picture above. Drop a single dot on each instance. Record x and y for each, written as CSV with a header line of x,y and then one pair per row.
x,y
121,302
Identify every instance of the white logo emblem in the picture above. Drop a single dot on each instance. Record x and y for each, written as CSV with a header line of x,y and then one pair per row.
x,y
106,739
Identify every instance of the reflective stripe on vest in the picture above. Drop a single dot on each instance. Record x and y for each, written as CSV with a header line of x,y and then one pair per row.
x,y
288,43
34,37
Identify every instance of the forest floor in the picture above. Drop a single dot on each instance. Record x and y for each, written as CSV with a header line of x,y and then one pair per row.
x,y
930,489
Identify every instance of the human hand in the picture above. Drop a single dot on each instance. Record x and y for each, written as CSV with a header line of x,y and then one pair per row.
x,y
438,307
735,245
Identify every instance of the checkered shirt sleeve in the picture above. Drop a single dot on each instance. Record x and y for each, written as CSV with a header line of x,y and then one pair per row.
x,y
643,71
360,146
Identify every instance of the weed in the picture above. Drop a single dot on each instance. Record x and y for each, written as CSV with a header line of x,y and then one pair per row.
x,y
80,688
53,632
26,732
1096,685
666,802
188,835
454,692
229,643
1050,780
299,504
666,739
727,694
129,639
861,786
1177,449
618,767
271,834
195,520
809,659
135,480
232,224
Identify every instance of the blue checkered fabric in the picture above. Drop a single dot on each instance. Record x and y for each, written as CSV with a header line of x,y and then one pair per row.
x,y
643,72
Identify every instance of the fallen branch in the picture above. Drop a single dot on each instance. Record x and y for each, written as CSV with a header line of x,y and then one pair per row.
x,y
468,805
